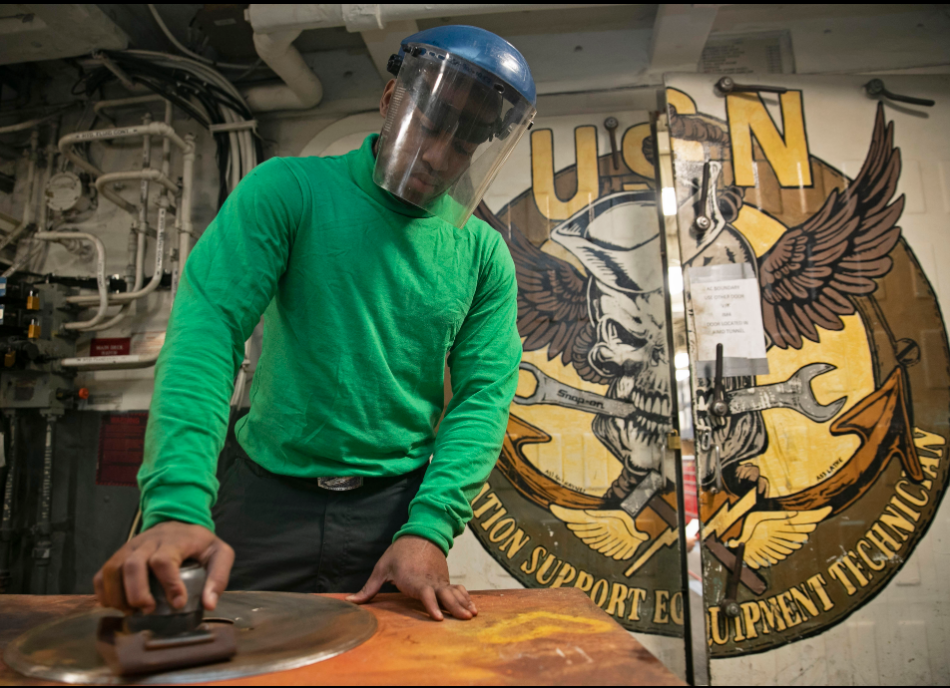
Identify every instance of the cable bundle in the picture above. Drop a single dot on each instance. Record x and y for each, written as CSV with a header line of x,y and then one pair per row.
x,y
198,90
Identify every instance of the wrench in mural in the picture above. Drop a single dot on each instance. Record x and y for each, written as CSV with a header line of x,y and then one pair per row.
x,y
795,393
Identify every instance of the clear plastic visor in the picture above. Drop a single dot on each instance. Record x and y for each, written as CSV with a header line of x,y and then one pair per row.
x,y
450,127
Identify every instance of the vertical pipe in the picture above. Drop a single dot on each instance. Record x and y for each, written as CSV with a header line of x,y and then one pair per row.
x,y
43,546
31,179
166,143
28,205
51,151
132,246
176,271
6,520
188,182
166,195
41,213
143,209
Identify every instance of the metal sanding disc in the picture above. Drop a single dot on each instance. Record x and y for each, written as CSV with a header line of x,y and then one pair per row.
x,y
276,631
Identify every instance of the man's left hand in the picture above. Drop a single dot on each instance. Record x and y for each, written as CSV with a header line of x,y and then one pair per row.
x,y
418,568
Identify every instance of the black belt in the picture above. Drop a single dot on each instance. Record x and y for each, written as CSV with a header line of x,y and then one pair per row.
x,y
332,483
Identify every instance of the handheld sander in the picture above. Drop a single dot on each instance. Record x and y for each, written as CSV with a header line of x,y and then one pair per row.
x,y
167,638
270,631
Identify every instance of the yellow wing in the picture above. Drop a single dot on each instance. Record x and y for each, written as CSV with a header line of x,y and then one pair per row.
x,y
770,536
612,533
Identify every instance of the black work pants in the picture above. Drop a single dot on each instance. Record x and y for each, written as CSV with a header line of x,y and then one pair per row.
x,y
291,535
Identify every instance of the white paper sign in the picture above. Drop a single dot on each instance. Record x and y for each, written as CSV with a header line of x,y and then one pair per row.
x,y
147,343
728,312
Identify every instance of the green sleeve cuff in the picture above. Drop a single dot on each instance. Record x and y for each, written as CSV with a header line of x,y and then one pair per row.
x,y
185,503
430,523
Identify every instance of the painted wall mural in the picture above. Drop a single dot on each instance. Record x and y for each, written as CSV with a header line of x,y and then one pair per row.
x,y
584,491
834,464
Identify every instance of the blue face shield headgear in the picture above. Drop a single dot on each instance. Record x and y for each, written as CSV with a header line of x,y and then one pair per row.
x,y
452,121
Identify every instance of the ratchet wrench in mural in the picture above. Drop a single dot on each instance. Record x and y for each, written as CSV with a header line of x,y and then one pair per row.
x,y
795,393
551,391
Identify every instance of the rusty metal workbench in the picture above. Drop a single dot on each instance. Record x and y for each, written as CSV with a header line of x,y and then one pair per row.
x,y
519,637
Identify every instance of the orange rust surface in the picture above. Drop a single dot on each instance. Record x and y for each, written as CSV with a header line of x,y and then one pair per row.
x,y
554,637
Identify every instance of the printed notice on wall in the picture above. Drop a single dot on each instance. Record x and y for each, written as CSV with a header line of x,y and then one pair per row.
x,y
147,343
726,310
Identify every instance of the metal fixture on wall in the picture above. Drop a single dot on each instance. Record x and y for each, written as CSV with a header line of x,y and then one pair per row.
x,y
875,87
726,85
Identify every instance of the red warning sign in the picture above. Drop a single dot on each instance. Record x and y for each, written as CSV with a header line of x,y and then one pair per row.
x,y
114,346
121,447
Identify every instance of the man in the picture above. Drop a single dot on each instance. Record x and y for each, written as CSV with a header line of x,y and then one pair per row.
x,y
371,273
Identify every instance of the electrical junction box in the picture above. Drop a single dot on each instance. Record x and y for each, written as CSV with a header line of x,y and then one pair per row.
x,y
33,341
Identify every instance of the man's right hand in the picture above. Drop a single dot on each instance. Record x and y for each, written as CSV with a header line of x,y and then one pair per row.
x,y
122,582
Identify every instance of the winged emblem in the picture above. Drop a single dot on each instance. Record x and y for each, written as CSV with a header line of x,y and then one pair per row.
x,y
807,277
771,536
607,320
612,533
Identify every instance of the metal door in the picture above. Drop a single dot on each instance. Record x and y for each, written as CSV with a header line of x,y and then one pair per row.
x,y
812,218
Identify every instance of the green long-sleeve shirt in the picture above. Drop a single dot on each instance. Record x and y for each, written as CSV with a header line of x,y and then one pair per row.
x,y
362,296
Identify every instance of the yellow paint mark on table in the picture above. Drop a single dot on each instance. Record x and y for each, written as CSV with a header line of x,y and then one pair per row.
x,y
534,625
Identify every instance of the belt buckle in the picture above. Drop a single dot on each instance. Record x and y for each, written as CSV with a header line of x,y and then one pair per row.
x,y
340,484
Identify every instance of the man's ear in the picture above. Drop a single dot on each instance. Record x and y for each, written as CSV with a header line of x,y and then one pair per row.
x,y
387,97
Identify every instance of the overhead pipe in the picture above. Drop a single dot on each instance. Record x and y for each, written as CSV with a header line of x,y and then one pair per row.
x,y
185,230
67,142
182,223
194,56
154,175
110,362
29,124
120,74
126,102
120,315
183,220
100,273
163,129
128,296
301,89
